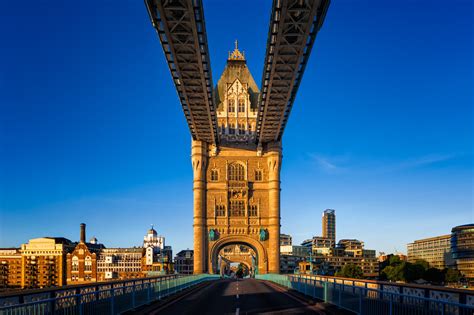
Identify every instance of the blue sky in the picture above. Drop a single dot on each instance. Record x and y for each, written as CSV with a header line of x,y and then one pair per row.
x,y
91,129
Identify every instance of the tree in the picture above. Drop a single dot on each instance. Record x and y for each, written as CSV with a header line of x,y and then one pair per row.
x,y
434,275
394,260
350,271
423,263
403,271
452,275
414,271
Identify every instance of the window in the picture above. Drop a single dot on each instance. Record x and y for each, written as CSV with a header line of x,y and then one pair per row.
x,y
241,107
253,210
236,172
237,208
258,175
75,264
241,129
231,105
88,264
231,129
214,175
220,210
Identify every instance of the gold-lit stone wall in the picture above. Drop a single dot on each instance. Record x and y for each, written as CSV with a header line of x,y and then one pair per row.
x,y
236,184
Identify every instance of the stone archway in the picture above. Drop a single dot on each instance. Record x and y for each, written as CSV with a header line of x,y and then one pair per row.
x,y
259,249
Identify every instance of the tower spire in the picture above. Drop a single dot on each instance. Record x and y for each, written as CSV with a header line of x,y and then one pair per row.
x,y
236,54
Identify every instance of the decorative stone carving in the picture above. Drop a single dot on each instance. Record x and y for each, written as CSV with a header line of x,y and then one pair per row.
x,y
213,235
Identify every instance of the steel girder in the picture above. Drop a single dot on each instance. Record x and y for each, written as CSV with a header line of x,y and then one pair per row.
x,y
181,28
293,28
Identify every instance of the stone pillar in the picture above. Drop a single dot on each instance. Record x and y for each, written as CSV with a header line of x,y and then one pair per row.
x,y
274,164
199,162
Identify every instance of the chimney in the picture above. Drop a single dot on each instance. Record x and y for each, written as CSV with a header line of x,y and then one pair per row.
x,y
83,232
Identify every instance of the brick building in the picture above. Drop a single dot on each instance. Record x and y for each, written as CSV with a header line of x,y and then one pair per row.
x,y
82,261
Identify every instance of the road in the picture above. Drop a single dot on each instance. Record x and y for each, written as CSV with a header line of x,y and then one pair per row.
x,y
248,296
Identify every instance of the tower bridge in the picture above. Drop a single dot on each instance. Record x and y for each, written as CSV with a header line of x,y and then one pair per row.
x,y
236,125
237,128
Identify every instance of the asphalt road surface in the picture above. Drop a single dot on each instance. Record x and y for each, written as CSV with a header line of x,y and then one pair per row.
x,y
248,296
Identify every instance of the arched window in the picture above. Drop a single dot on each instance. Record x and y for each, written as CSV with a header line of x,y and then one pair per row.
x,y
231,129
241,105
214,175
75,264
88,264
236,172
231,105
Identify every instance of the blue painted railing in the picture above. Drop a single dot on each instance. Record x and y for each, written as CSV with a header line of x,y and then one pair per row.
x,y
361,299
101,298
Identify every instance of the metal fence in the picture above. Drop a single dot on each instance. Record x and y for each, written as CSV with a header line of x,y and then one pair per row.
x,y
114,298
363,300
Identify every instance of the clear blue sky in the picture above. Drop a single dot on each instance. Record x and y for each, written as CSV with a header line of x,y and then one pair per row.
x,y
91,129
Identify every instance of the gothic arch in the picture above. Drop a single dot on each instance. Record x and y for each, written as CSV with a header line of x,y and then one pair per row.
x,y
236,171
259,249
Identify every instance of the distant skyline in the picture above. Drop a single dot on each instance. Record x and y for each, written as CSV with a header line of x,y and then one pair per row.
x,y
91,128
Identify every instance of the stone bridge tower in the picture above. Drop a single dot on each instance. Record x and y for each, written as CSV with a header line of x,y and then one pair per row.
x,y
237,184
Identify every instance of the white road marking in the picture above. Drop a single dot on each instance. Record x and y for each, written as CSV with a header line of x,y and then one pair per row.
x,y
237,311
237,296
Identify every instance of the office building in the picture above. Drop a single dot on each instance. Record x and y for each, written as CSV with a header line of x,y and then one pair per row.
x,y
329,224
435,250
285,240
462,248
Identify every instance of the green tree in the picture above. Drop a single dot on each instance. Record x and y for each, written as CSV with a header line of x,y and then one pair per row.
x,y
394,260
386,273
404,271
452,275
350,271
423,263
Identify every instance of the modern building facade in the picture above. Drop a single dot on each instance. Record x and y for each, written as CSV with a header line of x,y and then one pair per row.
x,y
120,263
329,265
329,224
435,250
319,245
289,263
352,247
462,248
286,239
